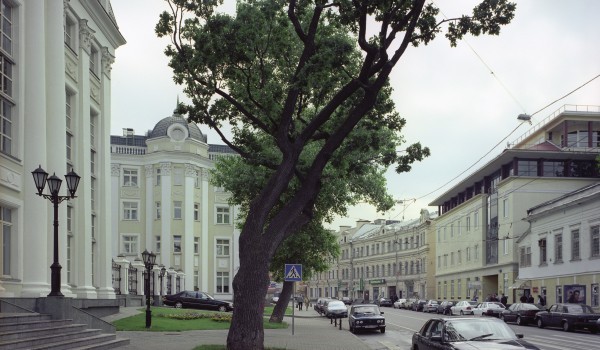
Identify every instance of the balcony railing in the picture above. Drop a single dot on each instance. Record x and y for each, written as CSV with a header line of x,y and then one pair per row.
x,y
133,150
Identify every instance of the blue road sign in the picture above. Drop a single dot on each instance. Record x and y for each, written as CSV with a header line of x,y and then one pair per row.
x,y
293,273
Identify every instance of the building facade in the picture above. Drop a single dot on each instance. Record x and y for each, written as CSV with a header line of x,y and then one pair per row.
x,y
55,113
380,259
559,253
481,218
163,201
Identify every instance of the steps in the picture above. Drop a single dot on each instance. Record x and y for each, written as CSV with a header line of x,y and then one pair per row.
x,y
37,331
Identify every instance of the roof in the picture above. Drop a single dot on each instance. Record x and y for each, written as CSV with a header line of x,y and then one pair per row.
x,y
160,129
132,140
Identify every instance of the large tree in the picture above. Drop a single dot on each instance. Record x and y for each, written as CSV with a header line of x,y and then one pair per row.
x,y
289,74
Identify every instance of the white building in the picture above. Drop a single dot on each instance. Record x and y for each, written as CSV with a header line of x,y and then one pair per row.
x,y
162,201
55,112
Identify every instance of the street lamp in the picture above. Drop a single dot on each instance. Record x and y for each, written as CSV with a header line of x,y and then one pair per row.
x,y
149,259
161,274
40,177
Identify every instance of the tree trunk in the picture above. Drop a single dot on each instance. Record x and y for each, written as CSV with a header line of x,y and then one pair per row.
x,y
283,302
249,292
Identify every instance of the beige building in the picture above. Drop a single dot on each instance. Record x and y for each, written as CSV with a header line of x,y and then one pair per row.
x,y
481,218
380,259
163,201
55,113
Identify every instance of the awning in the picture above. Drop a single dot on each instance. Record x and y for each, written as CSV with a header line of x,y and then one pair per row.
x,y
520,284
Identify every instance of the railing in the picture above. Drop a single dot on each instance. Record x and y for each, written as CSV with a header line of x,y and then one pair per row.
x,y
116,277
132,280
178,284
133,150
169,285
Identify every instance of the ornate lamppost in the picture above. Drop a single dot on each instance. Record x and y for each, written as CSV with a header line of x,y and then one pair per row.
x,y
40,177
161,274
149,259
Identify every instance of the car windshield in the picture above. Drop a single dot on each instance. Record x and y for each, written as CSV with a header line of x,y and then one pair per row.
x,y
336,305
477,329
367,310
579,309
530,307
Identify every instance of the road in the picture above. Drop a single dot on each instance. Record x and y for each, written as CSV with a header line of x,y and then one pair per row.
x,y
401,324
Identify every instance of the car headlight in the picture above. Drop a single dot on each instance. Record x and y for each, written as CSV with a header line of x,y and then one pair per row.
x,y
359,322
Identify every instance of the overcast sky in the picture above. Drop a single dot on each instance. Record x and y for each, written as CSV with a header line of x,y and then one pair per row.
x,y
451,100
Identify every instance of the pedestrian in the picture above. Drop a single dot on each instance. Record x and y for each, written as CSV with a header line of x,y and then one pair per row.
x,y
530,299
541,300
306,302
503,299
523,298
300,300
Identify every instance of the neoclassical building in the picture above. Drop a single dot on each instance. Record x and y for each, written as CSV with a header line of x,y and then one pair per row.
x,y
162,201
55,112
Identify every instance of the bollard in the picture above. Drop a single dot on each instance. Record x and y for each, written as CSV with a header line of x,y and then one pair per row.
x,y
340,324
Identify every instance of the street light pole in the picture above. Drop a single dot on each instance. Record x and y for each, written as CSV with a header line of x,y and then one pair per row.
x,y
40,177
161,274
149,259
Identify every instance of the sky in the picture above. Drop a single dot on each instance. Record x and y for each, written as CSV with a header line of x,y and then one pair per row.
x,y
461,102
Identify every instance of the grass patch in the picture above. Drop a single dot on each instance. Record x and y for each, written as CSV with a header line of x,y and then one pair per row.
x,y
165,319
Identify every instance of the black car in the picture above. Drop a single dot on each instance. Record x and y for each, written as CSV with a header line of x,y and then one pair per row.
x,y
336,309
347,300
444,307
521,313
385,302
568,317
418,305
365,316
196,300
320,304
468,333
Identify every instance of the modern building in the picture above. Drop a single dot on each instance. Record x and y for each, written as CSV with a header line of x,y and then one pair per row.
x,y
55,112
380,259
481,218
559,252
163,201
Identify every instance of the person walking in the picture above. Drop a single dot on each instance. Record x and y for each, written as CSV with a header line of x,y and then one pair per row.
x,y
503,299
300,300
306,302
530,299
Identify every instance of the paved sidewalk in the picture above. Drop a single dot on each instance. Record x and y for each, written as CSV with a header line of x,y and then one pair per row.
x,y
311,332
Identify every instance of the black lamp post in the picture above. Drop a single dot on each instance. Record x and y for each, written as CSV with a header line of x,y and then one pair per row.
x,y
161,274
149,259
40,177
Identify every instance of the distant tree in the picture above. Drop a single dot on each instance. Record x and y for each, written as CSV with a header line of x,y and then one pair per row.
x,y
297,77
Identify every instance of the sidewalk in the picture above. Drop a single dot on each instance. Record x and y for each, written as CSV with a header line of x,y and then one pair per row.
x,y
311,332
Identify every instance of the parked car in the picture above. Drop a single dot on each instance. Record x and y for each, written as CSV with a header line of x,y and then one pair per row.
x,y
418,305
336,309
409,303
366,316
399,304
430,306
468,332
521,313
384,302
319,305
196,300
347,300
444,307
489,308
463,307
569,317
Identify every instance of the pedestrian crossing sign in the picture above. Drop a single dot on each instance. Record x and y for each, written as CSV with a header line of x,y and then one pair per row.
x,y
293,272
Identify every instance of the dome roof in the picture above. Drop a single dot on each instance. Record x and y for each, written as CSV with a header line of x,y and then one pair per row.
x,y
162,128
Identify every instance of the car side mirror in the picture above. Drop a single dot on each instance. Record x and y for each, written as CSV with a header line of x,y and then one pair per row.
x,y
519,335
382,312
436,338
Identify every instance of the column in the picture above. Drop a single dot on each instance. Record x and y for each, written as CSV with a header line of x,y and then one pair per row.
x,y
82,144
166,249
124,265
188,217
107,203
204,244
36,266
149,170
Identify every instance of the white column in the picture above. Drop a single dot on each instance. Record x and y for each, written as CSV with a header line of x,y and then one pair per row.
x,y
124,283
188,226
106,210
149,171
204,243
82,145
56,127
166,245
37,234
115,200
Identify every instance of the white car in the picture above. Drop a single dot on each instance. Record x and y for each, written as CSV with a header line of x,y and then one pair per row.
x,y
464,307
487,308
400,304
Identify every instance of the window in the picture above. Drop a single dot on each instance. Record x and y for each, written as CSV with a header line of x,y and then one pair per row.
x,y
157,211
468,254
69,148
69,219
196,245
452,259
527,168
94,60
176,244
93,224
445,260
129,244
476,219
157,177
558,248
543,257
451,230
525,256
459,227
93,123
505,207
93,186
70,32
196,212
177,210
575,255
130,210
6,70
459,257
157,244
69,257
468,223
553,168
178,176
130,177
222,282
506,247
69,112
595,240
223,215
476,252
223,247
559,298
439,259
197,178
595,302
6,239
452,289
93,162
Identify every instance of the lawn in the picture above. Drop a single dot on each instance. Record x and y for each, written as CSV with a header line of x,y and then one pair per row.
x,y
168,319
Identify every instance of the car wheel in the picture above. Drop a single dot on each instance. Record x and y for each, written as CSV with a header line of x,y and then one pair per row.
x,y
520,321
222,308
566,326
540,323
178,305
382,330
462,313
